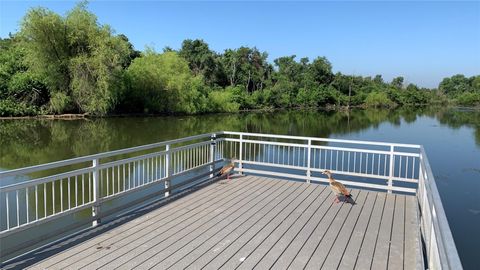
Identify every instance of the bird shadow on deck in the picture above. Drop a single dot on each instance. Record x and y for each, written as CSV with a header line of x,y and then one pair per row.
x,y
76,238
345,199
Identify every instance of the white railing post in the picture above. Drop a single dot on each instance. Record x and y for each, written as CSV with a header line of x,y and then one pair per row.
x,y
240,155
168,171
213,142
309,149
96,193
390,174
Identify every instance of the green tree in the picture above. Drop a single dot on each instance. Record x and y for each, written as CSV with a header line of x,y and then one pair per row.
x,y
163,83
80,60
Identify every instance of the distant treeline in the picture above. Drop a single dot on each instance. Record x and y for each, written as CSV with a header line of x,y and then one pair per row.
x,y
72,64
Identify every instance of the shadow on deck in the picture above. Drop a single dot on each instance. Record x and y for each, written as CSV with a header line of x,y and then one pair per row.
x,y
248,222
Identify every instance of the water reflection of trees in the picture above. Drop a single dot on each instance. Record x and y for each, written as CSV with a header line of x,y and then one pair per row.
x,y
28,142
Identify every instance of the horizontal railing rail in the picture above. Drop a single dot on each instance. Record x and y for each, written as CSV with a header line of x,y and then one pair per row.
x,y
391,167
269,152
32,202
437,236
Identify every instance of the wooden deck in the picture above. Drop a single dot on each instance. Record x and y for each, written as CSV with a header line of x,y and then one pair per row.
x,y
254,222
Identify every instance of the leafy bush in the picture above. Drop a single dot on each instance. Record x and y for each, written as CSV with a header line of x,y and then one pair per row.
x,y
11,108
378,99
60,102
223,101
468,99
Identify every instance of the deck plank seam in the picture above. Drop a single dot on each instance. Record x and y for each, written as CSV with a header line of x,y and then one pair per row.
x,y
227,246
247,199
289,198
391,229
177,219
329,227
376,237
356,220
281,223
318,223
194,199
363,237
293,223
260,201
224,237
195,221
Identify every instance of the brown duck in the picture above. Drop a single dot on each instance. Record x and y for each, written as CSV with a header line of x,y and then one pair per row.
x,y
227,169
337,187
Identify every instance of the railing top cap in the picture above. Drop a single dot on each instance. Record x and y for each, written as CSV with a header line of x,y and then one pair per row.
x,y
61,163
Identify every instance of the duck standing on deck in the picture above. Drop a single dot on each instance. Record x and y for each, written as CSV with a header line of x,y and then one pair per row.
x,y
227,169
337,187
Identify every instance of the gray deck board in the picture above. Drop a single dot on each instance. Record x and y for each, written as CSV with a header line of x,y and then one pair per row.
x,y
233,250
382,247
395,258
258,223
334,255
364,258
411,247
170,209
161,242
328,239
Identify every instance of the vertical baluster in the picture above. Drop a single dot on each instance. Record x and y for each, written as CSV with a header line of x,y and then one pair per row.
x,y
167,170
413,167
124,176
354,162
26,204
392,161
336,160
400,167
69,196
361,158
83,188
118,178
384,165
61,195
348,162
378,166
18,207
108,181
7,210
45,199
36,202
144,178
130,178
96,192
240,163
53,196
373,162
406,168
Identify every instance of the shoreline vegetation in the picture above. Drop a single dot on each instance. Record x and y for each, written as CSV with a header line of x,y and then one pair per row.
x,y
72,66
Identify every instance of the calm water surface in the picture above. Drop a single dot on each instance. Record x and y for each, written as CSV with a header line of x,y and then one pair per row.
x,y
451,138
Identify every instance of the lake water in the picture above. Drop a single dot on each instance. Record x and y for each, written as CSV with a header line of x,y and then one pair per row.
x,y
451,138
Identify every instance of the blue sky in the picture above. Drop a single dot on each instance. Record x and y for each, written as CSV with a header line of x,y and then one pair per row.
x,y
424,41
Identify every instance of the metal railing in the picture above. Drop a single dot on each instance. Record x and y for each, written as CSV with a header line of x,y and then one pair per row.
x,y
440,247
32,202
365,164
390,167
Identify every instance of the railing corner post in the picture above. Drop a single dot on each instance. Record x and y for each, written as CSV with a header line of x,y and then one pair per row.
x,y
168,169
390,174
240,155
309,149
213,143
96,193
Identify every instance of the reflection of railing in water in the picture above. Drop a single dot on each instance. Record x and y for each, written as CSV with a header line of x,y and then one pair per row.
x,y
374,165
